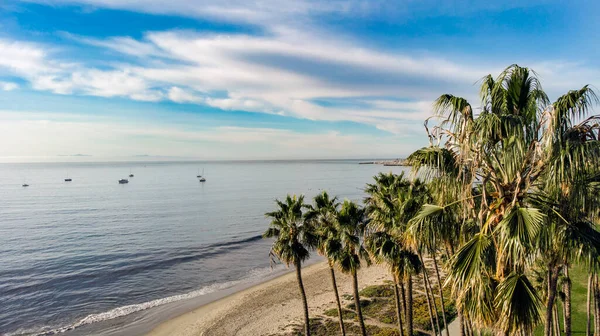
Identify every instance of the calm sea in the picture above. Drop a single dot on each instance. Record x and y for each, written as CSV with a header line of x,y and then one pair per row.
x,y
94,257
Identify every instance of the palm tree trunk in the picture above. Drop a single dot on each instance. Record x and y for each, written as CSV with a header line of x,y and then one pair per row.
x,y
404,309
593,306
469,327
588,331
564,315
567,301
439,280
409,306
303,294
398,306
337,299
433,303
555,319
596,306
428,301
363,330
552,280
461,320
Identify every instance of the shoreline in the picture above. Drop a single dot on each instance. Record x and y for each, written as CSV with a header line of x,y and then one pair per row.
x,y
141,321
270,307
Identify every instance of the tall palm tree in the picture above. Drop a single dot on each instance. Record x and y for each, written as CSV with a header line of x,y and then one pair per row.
x,y
323,217
570,234
429,233
390,203
293,238
352,222
403,263
515,147
383,246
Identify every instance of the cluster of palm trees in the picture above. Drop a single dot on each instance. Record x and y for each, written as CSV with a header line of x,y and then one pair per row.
x,y
335,232
349,235
516,193
505,200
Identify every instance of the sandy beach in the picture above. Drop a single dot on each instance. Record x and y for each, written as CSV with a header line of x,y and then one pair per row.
x,y
269,308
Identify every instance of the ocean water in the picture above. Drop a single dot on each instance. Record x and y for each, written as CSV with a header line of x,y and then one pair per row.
x,y
94,257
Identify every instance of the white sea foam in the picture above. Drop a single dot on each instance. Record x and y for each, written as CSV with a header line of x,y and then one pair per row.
x,y
252,276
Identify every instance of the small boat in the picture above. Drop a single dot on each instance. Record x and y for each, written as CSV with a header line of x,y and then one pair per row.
x,y
201,177
68,180
123,181
130,173
25,185
198,176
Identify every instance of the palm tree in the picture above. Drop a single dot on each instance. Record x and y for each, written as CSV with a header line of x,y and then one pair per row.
x,y
428,233
384,247
403,263
570,234
390,203
323,217
517,146
293,238
352,222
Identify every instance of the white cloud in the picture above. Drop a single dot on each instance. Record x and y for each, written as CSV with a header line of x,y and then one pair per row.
x,y
240,65
124,45
64,133
256,12
276,12
281,73
22,58
283,70
180,95
241,104
35,63
8,86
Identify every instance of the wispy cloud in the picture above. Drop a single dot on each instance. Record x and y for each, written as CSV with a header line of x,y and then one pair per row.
x,y
106,138
281,73
284,68
8,86
275,12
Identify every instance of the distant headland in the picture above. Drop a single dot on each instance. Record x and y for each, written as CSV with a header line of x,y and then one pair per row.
x,y
396,162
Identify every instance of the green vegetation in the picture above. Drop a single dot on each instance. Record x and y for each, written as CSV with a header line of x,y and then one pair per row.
x,y
328,327
346,314
381,308
377,291
497,226
579,302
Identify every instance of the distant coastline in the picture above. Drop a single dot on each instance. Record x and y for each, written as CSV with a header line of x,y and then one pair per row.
x,y
396,162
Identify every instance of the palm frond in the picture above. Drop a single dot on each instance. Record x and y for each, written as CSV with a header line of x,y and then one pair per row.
x,y
519,305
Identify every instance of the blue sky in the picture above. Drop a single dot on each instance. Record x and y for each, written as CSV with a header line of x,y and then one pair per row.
x,y
233,79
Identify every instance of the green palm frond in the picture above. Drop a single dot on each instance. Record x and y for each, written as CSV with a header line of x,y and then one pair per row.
x,y
352,222
514,188
519,231
293,236
572,105
428,211
454,109
434,161
472,261
519,305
